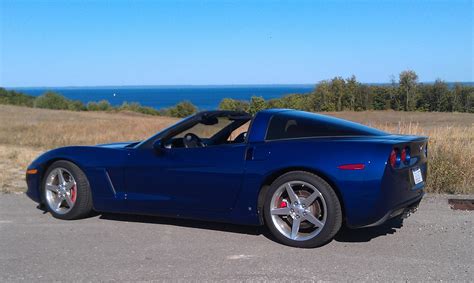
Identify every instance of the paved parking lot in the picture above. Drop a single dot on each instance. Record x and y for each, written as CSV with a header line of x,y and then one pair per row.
x,y
436,243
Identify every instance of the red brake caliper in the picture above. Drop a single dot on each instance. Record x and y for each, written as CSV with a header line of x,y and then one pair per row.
x,y
73,193
283,204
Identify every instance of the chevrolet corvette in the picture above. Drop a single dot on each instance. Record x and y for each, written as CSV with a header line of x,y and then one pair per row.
x,y
300,174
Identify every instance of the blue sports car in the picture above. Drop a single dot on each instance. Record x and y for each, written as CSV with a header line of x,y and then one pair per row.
x,y
303,175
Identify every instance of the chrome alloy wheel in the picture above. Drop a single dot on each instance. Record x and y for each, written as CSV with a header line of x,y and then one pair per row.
x,y
61,190
298,210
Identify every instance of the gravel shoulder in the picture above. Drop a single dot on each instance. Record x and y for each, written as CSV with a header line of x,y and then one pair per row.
x,y
436,243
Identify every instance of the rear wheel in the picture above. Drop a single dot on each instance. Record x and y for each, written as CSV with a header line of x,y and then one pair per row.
x,y
66,191
302,210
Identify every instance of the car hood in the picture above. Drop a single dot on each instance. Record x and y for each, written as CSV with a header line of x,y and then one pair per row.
x,y
116,144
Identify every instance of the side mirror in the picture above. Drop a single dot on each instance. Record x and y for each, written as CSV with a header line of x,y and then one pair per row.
x,y
158,146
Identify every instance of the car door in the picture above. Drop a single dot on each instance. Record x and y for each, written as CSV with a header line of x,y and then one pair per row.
x,y
185,179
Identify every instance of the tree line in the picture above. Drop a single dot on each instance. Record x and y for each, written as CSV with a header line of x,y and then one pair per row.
x,y
337,94
52,100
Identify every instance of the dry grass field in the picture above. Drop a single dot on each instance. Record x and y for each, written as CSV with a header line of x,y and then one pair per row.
x,y
450,148
26,132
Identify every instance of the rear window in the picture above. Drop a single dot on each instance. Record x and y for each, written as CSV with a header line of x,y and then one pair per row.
x,y
296,124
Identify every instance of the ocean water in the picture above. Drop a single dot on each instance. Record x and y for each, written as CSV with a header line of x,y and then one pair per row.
x,y
204,97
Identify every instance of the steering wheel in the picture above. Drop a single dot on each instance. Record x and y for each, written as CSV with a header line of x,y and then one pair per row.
x,y
191,140
240,138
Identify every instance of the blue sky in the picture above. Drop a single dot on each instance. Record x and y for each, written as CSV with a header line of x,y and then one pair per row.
x,y
88,43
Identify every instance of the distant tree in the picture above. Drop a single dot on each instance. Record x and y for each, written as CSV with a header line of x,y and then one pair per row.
x,y
76,105
423,101
149,111
15,98
441,99
183,109
338,89
457,98
275,103
227,104
104,105
395,99
291,101
470,100
51,100
352,88
381,97
466,94
323,97
463,98
366,97
92,106
234,105
257,103
408,81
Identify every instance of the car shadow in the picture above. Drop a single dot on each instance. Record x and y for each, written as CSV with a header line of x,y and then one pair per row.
x,y
189,223
347,235
344,235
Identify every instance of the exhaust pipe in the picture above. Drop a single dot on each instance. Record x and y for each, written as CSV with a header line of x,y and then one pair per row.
x,y
409,211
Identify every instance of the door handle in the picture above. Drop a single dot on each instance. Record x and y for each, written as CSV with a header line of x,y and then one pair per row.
x,y
249,153
257,153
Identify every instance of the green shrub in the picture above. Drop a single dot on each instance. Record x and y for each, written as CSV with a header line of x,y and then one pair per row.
x,y
15,98
257,103
291,101
92,106
182,109
52,100
104,105
234,105
76,105
149,111
133,106
136,107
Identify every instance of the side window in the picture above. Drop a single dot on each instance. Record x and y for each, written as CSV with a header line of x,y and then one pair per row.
x,y
283,126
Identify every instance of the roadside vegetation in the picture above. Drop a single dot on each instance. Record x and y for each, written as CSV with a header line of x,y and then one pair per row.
x,y
26,132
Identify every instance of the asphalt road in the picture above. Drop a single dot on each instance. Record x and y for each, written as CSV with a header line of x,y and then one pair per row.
x,y
436,243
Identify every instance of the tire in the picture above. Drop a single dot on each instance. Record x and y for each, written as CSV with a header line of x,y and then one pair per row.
x,y
317,220
71,201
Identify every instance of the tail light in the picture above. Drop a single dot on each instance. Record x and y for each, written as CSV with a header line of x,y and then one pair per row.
x,y
405,157
395,158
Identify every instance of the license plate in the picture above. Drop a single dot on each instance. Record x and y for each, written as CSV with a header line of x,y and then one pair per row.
x,y
417,177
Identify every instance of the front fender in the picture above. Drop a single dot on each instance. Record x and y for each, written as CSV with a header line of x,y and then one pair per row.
x,y
102,166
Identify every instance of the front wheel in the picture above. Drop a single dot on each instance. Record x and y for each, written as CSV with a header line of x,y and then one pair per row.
x,y
302,210
66,191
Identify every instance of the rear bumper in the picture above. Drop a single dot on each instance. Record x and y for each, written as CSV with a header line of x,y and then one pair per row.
x,y
404,209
